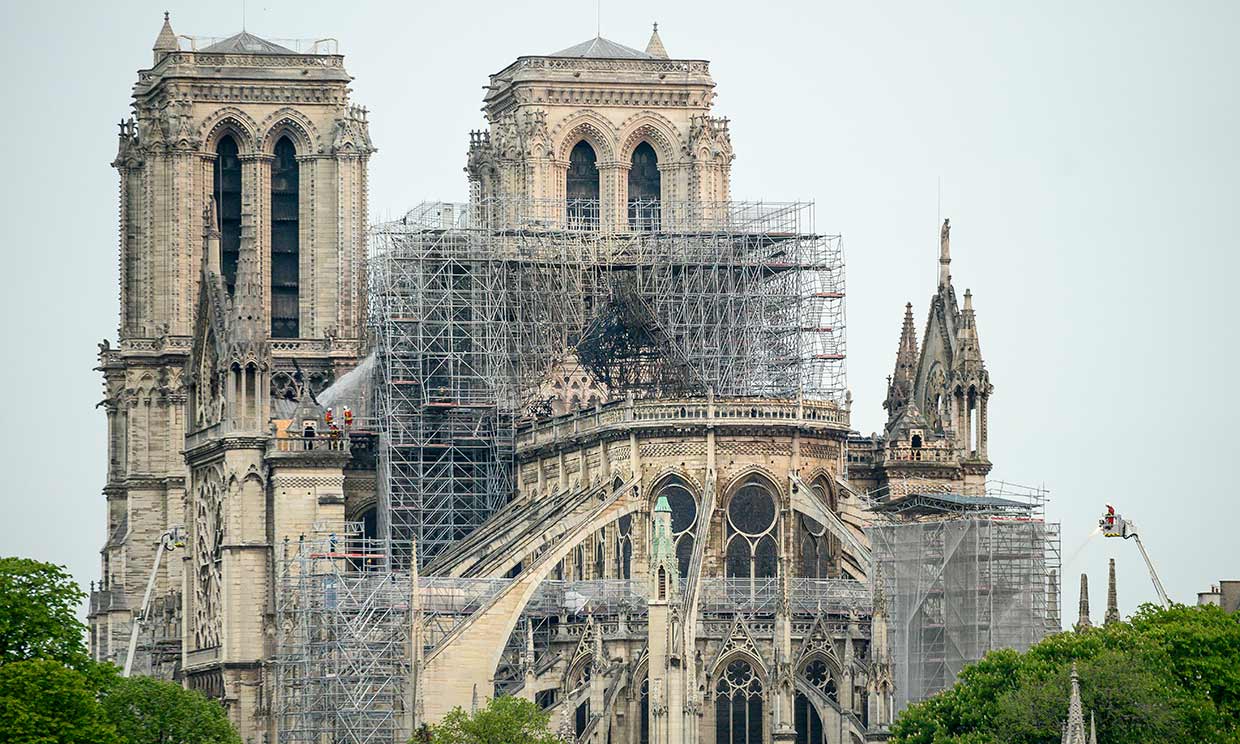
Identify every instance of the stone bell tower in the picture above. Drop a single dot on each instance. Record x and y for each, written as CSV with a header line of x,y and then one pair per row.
x,y
267,133
607,128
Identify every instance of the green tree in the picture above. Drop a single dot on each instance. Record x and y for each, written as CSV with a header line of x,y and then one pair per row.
x,y
1167,675
45,702
38,614
150,711
505,720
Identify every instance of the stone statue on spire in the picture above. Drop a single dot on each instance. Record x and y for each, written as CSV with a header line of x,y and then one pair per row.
x,y
945,253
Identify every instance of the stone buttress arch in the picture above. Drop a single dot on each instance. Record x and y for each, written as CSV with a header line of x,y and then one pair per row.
x,y
486,633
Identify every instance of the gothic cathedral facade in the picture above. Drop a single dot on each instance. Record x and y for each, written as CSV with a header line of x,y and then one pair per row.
x,y
243,295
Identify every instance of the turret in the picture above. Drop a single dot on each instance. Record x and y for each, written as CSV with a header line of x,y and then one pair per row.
x,y
663,564
654,47
166,42
972,383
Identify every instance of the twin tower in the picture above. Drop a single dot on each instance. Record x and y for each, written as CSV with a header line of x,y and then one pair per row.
x,y
243,268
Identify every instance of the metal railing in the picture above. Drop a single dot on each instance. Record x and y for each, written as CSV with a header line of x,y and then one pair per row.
x,y
762,595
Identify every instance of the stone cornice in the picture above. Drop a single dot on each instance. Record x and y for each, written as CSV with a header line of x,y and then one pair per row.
x,y
131,482
215,447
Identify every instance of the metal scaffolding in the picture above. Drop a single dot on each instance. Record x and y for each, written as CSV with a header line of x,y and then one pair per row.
x,y
960,576
476,307
342,660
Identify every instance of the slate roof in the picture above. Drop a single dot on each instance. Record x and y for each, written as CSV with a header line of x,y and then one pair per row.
x,y
246,43
600,48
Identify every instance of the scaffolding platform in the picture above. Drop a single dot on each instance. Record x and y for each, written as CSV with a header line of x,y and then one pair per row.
x,y
474,308
959,575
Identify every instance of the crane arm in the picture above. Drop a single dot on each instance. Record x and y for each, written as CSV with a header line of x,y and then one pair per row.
x,y
1162,593
167,541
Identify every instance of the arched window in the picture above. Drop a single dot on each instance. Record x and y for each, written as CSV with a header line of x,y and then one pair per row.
x,y
624,547
750,534
738,705
808,722
972,423
827,544
644,188
818,674
815,549
684,516
582,186
285,261
645,711
227,190
363,545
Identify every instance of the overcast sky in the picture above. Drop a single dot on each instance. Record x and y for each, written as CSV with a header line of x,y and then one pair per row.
x,y
1088,156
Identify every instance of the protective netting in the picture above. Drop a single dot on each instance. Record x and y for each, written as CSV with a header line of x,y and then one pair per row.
x,y
954,589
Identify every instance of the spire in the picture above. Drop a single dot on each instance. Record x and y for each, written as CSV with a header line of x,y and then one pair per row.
x,y
945,253
1093,730
1112,615
211,235
654,47
1083,620
166,41
1074,727
248,291
900,388
968,352
663,564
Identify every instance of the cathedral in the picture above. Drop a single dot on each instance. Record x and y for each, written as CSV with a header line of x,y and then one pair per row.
x,y
588,433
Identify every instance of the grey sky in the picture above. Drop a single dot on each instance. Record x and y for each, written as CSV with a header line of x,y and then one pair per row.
x,y
1088,154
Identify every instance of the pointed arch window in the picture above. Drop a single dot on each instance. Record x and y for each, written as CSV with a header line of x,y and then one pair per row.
x,y
582,187
808,722
738,705
624,547
285,236
750,531
645,187
227,192
644,736
684,517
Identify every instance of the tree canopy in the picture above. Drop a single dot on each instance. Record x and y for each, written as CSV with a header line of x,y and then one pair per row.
x,y
151,711
51,692
38,613
42,701
1167,675
505,720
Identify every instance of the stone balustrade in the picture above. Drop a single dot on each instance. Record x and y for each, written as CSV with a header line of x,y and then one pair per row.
x,y
689,412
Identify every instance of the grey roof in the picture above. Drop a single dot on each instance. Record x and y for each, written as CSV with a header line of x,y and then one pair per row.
x,y
600,48
246,43
925,504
